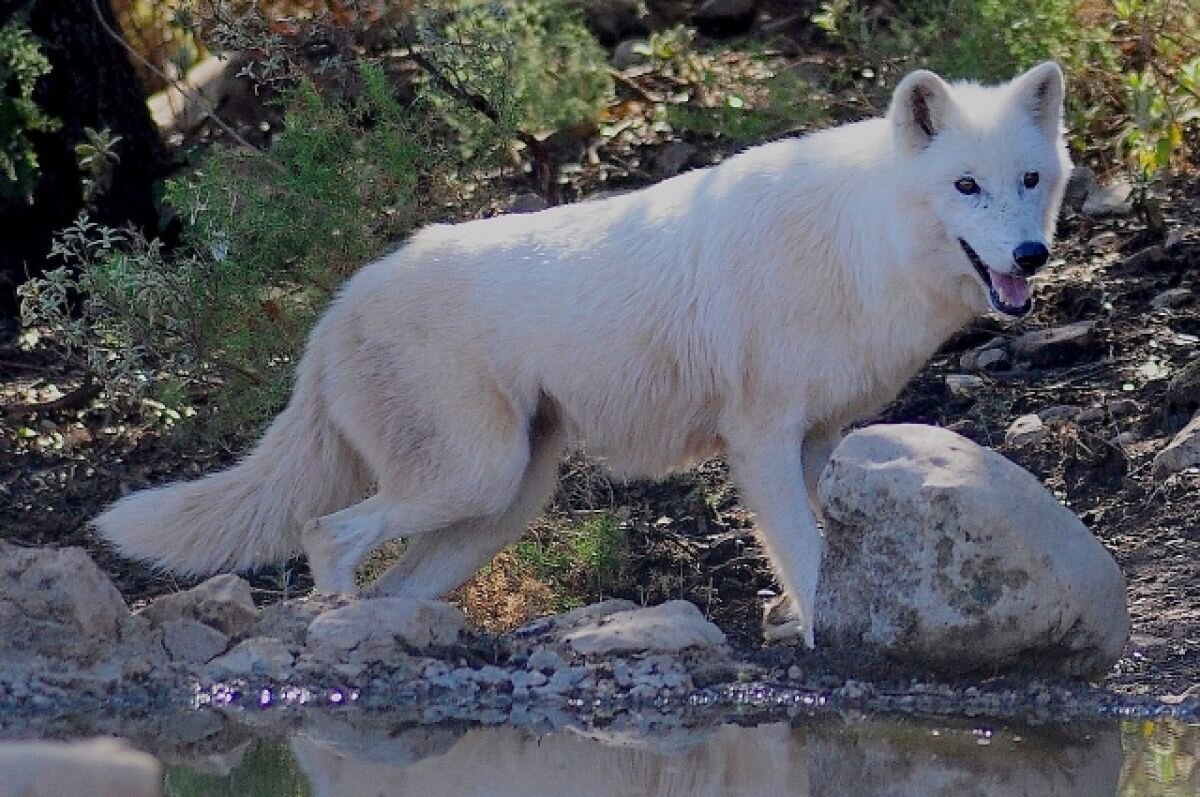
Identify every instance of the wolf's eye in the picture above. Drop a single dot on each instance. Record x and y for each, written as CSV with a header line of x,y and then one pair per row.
x,y
966,185
1031,179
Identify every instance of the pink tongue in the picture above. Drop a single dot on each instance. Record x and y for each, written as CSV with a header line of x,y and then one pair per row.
x,y
1012,290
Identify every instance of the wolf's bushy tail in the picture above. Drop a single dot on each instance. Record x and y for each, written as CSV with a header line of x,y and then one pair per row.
x,y
251,514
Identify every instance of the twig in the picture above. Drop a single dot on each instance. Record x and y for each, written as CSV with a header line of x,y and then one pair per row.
x,y
77,398
182,85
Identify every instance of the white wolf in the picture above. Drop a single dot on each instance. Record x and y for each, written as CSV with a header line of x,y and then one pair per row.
x,y
752,309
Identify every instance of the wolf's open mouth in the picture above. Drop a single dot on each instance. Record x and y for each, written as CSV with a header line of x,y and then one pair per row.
x,y
1008,293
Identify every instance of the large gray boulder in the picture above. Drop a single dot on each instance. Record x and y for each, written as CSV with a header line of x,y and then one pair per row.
x,y
948,556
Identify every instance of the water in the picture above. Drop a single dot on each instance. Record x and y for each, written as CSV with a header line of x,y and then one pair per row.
x,y
352,753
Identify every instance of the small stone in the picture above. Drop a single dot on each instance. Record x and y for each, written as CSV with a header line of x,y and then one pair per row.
x,y
985,359
1059,414
1121,408
1172,298
223,602
544,659
1146,259
1173,241
629,53
622,675
794,673
260,656
1024,431
1181,453
524,679
192,641
963,385
527,203
491,675
668,627
1112,199
1125,439
377,629
1104,241
1055,346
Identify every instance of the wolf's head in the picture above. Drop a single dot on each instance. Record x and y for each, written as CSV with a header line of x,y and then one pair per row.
x,y
988,164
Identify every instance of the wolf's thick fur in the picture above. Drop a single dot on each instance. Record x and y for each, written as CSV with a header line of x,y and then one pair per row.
x,y
752,309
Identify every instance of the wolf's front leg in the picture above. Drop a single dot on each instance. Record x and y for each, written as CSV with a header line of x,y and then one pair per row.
x,y
770,475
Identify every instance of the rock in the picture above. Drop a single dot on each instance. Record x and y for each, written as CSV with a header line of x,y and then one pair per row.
x,y
1055,346
628,53
945,555
1112,199
103,767
527,202
192,641
1181,453
1117,408
1172,298
223,602
378,629
963,385
991,358
1080,185
1182,398
260,656
719,18
1025,431
57,603
673,158
1173,242
1145,259
1058,414
544,659
1104,241
669,627
560,624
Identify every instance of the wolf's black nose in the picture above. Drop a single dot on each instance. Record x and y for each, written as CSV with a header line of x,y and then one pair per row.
x,y
1031,256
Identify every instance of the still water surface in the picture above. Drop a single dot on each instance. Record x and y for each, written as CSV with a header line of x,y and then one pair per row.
x,y
340,756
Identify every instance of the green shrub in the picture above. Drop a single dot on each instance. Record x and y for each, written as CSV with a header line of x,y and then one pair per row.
x,y
21,65
266,241
578,561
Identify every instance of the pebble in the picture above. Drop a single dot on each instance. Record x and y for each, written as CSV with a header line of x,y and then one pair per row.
x,y
523,679
1025,430
1172,298
544,659
963,385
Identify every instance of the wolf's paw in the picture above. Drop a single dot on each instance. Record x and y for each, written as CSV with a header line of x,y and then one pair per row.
x,y
782,622
330,574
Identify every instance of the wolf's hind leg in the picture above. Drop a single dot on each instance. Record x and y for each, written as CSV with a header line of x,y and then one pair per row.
x,y
448,490
769,471
817,448
433,564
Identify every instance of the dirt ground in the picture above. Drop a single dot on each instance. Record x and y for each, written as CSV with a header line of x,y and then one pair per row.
x,y
690,537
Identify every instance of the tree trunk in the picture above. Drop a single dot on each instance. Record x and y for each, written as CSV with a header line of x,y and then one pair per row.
x,y
91,84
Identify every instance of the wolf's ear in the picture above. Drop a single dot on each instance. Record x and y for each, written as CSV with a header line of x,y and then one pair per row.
x,y
1040,93
920,108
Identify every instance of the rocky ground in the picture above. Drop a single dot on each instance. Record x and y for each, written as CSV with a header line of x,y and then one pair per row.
x,y
1088,392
